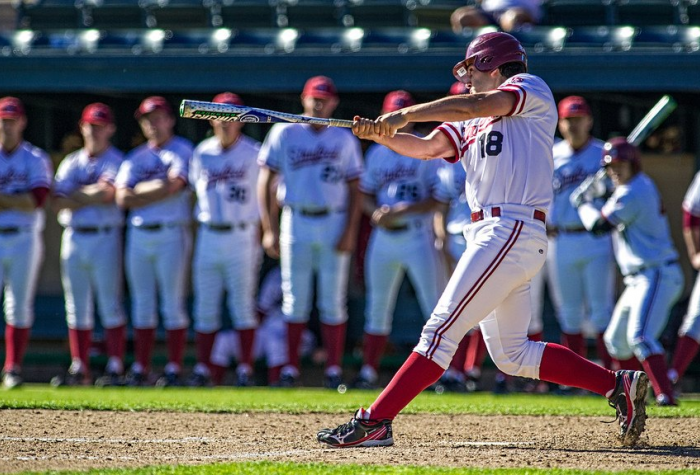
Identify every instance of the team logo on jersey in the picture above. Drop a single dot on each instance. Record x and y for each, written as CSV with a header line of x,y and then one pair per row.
x,y
400,173
13,177
303,158
225,174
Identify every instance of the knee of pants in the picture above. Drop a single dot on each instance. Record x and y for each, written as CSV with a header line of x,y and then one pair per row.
x,y
113,320
644,347
175,319
378,324
79,322
206,323
247,323
617,346
570,320
20,320
333,318
521,360
144,320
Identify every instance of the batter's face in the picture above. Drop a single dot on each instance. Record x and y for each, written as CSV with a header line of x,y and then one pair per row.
x,y
11,132
576,130
480,81
619,172
321,108
157,126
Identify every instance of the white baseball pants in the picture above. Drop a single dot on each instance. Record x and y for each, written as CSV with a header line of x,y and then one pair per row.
x,y
21,255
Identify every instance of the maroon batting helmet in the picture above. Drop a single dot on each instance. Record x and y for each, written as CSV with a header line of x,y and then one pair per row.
x,y
490,51
620,150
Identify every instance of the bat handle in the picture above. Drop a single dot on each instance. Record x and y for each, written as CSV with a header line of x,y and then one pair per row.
x,y
340,123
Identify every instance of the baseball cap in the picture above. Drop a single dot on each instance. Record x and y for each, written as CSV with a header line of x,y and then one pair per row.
x,y
573,106
151,104
396,100
320,87
228,98
97,114
11,108
458,88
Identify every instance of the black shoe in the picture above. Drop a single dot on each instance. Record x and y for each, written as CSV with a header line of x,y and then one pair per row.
x,y
199,380
334,381
136,379
110,379
450,385
501,385
287,381
71,378
472,384
362,383
629,401
358,433
243,380
168,380
11,379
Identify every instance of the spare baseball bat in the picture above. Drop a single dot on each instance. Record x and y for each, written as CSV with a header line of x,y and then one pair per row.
x,y
233,113
649,123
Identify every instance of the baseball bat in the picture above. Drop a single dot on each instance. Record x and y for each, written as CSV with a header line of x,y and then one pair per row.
x,y
232,113
649,123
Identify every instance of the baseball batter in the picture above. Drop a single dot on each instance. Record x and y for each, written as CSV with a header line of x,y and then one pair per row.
x,y
502,132
318,169
224,175
646,256
91,247
580,265
399,194
151,184
25,180
689,332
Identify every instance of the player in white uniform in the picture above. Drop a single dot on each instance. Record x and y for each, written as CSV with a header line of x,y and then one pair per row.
x,y
503,133
224,176
270,338
646,256
399,195
318,170
152,185
91,247
688,342
580,265
25,180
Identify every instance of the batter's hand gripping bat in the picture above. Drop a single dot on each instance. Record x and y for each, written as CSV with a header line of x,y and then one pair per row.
x,y
233,113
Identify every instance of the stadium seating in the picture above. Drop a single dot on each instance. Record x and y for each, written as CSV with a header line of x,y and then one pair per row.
x,y
49,14
579,12
248,13
647,12
108,14
313,13
379,13
179,14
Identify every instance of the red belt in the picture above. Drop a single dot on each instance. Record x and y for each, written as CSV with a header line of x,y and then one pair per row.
x,y
496,212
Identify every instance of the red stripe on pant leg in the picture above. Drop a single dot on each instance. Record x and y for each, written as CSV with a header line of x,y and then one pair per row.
x,y
512,239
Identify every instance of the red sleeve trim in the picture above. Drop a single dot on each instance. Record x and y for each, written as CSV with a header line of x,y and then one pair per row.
x,y
519,99
454,158
40,195
690,221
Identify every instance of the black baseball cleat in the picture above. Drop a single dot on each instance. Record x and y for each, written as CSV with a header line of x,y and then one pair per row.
x,y
629,400
358,433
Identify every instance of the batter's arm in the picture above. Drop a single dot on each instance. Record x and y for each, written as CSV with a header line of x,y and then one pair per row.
x,y
269,212
348,240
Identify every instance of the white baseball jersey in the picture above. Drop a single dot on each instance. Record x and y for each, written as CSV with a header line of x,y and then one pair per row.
x,y
26,168
314,165
643,237
79,169
225,181
451,190
148,163
509,171
571,167
396,179
691,200
691,322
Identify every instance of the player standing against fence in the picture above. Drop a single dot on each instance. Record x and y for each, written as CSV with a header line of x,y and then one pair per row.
x,y
25,180
224,175
313,172
399,196
151,184
91,247
503,134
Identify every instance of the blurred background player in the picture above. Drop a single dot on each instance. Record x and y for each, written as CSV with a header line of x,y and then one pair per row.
x,y
224,176
91,247
508,15
399,195
580,265
25,180
271,335
318,170
151,184
689,332
646,256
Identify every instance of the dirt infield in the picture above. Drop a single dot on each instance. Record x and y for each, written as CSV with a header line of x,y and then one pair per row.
x,y
54,440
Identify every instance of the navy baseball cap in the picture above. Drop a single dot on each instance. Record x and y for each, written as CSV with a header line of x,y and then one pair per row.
x,y
11,108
